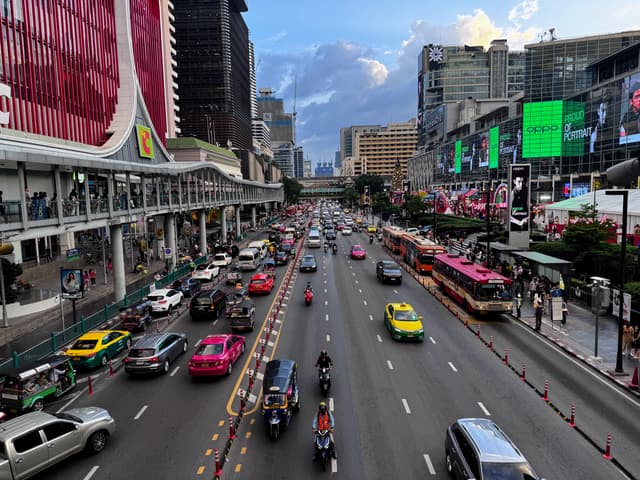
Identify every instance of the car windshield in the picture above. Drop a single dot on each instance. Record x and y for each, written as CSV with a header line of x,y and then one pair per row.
x,y
155,298
66,416
141,352
220,256
307,259
210,349
272,399
202,267
202,299
405,315
390,266
84,345
507,471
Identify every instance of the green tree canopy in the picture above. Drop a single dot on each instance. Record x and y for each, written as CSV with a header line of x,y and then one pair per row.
x,y
10,271
291,189
380,202
351,195
376,184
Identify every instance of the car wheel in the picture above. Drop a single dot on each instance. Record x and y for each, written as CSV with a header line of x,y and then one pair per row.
x,y
165,366
449,463
170,310
185,347
144,326
38,405
97,441
103,360
229,368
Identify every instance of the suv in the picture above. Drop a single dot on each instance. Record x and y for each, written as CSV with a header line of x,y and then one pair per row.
x,y
207,304
165,300
478,448
37,440
155,352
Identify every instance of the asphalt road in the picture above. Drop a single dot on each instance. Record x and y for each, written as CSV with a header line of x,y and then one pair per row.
x,y
392,401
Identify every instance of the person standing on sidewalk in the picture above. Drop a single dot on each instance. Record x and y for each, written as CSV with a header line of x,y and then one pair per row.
x,y
627,338
538,307
85,280
92,277
636,341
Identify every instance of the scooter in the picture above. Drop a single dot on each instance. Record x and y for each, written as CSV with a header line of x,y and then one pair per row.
x,y
324,377
308,296
326,247
370,238
322,448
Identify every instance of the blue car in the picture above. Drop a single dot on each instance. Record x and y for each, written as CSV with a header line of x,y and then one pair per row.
x,y
189,286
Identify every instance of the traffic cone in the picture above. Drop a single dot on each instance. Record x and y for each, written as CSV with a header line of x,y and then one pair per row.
x,y
633,384
90,386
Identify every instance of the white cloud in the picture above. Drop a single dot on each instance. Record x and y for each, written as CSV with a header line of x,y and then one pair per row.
x,y
377,71
477,29
523,10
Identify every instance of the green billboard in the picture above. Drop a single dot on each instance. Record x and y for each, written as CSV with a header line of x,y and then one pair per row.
x,y
542,129
458,157
494,147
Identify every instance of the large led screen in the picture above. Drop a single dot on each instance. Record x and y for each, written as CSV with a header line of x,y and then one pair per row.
x,y
630,110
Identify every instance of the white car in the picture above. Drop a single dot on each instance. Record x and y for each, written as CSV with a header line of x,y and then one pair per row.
x,y
206,272
164,300
347,231
221,260
413,231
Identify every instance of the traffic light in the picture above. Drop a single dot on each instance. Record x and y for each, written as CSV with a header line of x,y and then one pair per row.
x,y
6,248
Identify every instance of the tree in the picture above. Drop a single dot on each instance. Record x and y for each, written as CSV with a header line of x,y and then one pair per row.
x,y
350,195
376,184
291,189
381,202
10,271
414,206
586,234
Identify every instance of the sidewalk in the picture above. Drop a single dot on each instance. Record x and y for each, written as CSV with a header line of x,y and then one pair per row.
x,y
29,330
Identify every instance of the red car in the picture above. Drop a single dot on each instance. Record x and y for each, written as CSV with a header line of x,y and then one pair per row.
x,y
358,253
261,283
215,355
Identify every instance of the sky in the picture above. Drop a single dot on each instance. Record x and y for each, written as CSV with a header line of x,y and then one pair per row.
x,y
355,62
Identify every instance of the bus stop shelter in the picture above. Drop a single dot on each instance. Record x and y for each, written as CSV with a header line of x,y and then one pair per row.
x,y
555,269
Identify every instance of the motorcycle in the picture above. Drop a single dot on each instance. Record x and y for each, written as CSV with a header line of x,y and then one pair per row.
x,y
370,238
324,378
334,248
326,247
308,296
322,448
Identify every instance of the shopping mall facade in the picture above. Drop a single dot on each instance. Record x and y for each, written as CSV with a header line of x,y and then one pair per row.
x,y
85,112
567,124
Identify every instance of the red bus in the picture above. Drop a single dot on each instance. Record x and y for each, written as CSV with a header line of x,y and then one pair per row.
x,y
477,289
391,237
419,252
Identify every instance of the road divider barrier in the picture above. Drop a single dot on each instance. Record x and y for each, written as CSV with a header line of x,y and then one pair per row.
x,y
607,450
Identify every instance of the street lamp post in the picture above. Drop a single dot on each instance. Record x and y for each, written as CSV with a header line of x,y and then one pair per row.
x,y
623,253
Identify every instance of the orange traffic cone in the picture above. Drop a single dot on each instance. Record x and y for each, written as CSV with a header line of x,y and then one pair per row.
x,y
633,384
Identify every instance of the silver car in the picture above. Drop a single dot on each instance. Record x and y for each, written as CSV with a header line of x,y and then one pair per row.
x,y
155,352
37,440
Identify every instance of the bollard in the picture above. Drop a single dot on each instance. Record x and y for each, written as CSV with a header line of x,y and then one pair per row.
x,y
545,397
218,467
572,420
491,343
478,331
232,431
506,357
607,451
90,385
466,321
110,368
524,372
157,326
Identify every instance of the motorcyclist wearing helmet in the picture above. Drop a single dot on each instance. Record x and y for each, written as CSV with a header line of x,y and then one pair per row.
x,y
308,287
324,360
324,420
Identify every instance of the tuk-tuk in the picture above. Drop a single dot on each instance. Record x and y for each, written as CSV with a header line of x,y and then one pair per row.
x,y
281,395
234,277
241,315
137,317
269,267
236,297
31,385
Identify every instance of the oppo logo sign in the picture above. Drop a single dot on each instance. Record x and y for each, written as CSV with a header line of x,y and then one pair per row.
x,y
543,129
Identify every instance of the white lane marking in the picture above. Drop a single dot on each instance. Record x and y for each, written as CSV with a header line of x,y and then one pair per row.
x,y
334,465
406,406
360,290
325,274
331,403
325,282
432,340
365,302
370,317
328,338
326,317
379,338
66,405
484,409
325,290
353,273
395,291
432,470
93,470
139,414
356,282
453,367
214,322
389,364
326,302
174,371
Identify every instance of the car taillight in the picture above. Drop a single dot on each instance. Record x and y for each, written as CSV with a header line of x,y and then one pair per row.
x,y
90,355
154,359
218,362
191,364
126,360
162,302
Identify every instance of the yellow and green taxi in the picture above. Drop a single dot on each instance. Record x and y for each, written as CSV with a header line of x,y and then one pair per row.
x,y
403,322
372,229
97,347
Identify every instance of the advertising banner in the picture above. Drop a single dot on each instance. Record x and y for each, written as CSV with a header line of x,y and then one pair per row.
x,y
494,147
71,283
145,142
542,129
519,206
626,308
458,157
630,110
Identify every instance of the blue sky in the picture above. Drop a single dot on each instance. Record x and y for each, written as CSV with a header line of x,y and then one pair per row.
x,y
356,61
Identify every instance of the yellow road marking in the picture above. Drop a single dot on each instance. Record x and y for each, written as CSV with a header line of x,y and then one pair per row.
x,y
247,435
238,467
243,450
252,421
200,470
215,437
250,357
208,452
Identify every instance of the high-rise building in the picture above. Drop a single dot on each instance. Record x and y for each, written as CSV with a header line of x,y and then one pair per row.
x,y
377,152
280,123
170,75
298,162
337,162
212,41
560,68
346,138
306,166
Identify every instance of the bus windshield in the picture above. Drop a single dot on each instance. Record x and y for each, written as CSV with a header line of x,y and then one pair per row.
x,y
488,291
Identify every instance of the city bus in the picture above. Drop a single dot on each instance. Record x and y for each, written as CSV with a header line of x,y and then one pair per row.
x,y
419,252
477,289
391,237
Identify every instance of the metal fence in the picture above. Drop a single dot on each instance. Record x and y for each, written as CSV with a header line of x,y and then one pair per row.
x,y
59,339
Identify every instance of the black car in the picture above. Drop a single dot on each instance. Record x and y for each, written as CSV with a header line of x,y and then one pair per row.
x,y
137,317
208,304
282,257
388,271
155,352
330,234
308,264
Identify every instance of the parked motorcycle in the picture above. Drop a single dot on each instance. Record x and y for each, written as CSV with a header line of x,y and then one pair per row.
x,y
324,377
308,296
322,448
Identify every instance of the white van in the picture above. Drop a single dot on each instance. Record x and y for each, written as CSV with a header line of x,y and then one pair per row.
x,y
249,259
313,240
261,246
